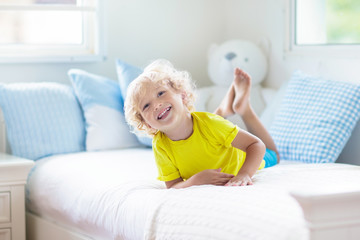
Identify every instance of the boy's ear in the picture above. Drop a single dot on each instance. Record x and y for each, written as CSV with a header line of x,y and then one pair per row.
x,y
184,96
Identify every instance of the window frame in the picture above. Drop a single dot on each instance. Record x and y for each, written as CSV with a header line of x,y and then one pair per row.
x,y
316,50
93,49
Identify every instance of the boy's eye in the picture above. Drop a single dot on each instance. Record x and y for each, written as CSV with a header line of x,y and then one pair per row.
x,y
161,93
145,106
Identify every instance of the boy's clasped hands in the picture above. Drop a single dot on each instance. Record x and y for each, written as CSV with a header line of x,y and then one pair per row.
x,y
216,177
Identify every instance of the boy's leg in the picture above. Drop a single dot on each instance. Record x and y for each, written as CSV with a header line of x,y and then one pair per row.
x,y
241,106
225,109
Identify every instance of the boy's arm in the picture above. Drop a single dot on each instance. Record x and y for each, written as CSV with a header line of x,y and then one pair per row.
x,y
209,176
255,151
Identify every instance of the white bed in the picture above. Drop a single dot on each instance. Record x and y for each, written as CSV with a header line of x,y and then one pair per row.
x,y
113,195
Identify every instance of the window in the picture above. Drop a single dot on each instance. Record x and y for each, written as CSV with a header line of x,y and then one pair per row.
x,y
326,27
50,30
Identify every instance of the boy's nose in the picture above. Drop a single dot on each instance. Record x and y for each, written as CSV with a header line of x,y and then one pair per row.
x,y
157,106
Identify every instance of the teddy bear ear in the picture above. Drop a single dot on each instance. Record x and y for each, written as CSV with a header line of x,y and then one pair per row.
x,y
212,49
265,45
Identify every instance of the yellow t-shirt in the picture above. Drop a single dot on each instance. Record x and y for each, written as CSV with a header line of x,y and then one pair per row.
x,y
209,147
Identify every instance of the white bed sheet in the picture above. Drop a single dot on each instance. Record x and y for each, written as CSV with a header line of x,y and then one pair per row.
x,y
114,195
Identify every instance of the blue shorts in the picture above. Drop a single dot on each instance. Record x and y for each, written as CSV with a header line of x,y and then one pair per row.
x,y
270,158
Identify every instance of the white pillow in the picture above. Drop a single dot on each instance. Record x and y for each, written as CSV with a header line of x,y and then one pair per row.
x,y
102,104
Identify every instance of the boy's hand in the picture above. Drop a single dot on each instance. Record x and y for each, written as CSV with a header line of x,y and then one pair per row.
x,y
211,176
242,179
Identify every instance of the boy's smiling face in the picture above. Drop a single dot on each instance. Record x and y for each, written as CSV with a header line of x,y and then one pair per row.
x,y
162,107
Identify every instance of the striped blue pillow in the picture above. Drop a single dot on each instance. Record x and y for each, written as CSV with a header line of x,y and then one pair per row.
x,y
42,119
315,119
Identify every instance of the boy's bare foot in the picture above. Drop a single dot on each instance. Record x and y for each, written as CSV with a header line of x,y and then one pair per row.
x,y
242,84
225,109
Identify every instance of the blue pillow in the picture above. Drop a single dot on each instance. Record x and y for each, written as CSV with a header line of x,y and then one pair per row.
x,y
101,101
126,74
315,119
42,119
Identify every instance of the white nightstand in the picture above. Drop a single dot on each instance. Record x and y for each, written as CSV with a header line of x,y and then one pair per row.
x,y
13,175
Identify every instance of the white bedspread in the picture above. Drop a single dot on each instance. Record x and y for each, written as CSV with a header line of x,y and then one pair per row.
x,y
114,195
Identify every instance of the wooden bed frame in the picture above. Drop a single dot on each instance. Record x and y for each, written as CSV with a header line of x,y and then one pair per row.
x,y
330,216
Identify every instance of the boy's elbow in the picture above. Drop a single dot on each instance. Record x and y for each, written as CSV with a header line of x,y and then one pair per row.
x,y
257,146
173,183
262,146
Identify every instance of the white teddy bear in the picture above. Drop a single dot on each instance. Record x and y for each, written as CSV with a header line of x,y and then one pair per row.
x,y
223,59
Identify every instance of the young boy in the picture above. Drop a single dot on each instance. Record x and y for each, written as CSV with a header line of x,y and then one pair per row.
x,y
195,148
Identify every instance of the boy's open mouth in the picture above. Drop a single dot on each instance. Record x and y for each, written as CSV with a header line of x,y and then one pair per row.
x,y
164,113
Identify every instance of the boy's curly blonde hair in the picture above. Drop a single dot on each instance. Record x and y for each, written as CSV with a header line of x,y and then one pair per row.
x,y
159,72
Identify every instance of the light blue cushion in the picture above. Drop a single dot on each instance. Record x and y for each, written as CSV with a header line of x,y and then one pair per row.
x,y
101,101
315,119
126,74
42,119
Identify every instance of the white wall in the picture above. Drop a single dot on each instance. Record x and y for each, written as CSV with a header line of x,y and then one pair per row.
x,y
139,31
178,30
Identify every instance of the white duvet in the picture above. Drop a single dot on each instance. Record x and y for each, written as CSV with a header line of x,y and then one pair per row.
x,y
115,195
